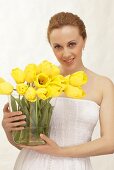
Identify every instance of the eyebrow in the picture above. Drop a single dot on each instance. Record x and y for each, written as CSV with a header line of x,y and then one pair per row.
x,y
67,43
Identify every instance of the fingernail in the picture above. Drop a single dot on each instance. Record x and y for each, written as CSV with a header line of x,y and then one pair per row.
x,y
41,135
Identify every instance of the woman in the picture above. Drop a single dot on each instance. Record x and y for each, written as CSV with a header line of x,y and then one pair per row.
x,y
69,146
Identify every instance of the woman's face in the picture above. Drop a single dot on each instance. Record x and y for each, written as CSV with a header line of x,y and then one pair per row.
x,y
67,45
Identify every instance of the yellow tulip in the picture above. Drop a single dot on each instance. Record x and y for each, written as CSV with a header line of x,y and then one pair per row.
x,y
30,76
30,73
18,75
30,67
6,88
43,67
31,95
74,92
2,80
21,88
55,71
48,68
43,93
55,90
49,91
67,79
42,80
59,80
78,79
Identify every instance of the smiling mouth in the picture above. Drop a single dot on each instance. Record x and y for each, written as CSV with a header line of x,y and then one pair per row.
x,y
69,61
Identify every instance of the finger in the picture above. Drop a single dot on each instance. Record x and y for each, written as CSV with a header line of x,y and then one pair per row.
x,y
11,114
48,140
16,118
6,108
14,124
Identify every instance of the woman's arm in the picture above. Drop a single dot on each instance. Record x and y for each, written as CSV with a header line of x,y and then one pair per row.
x,y
93,148
10,125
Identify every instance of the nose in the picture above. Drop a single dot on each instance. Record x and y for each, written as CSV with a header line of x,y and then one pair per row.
x,y
66,54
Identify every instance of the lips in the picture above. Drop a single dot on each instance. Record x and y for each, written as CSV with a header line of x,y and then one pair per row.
x,y
69,60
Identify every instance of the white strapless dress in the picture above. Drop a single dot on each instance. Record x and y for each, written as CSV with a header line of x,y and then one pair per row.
x,y
72,123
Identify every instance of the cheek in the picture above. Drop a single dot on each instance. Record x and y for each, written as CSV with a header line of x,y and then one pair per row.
x,y
58,55
78,50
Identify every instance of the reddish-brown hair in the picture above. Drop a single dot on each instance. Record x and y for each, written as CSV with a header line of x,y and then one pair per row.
x,y
66,18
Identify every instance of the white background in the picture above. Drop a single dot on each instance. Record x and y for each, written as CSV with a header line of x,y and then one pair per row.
x,y
23,40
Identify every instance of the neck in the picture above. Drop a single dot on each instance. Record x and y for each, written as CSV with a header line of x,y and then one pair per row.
x,y
65,70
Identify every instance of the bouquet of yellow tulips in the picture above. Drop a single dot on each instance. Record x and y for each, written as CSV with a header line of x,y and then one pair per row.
x,y
36,85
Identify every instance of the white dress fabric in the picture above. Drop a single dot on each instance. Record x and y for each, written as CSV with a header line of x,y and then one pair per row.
x,y
72,123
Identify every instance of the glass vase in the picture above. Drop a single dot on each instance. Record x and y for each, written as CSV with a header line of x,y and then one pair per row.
x,y
38,116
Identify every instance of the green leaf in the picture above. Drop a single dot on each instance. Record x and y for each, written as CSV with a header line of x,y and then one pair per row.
x,y
13,103
33,114
24,108
44,115
16,135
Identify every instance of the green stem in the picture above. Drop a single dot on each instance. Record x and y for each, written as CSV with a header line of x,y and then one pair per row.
x,y
36,112
19,103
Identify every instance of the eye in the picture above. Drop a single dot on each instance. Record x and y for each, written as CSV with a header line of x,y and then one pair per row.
x,y
57,46
72,44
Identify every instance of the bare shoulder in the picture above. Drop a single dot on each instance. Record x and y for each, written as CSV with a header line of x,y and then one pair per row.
x,y
107,86
103,86
107,82
104,81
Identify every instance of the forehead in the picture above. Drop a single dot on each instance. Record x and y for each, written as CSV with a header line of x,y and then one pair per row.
x,y
64,34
